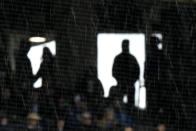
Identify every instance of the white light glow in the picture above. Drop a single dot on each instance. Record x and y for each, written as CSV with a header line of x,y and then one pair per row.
x,y
37,39
109,46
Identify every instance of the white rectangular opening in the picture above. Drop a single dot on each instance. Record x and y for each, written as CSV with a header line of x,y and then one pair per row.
x,y
109,46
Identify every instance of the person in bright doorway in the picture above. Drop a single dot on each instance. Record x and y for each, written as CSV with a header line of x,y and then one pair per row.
x,y
126,71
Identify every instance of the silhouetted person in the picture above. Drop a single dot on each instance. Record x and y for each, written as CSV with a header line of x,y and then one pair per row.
x,y
94,95
46,72
126,72
153,78
23,77
47,68
153,60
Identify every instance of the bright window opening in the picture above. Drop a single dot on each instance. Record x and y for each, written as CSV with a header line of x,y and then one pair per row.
x,y
35,56
109,46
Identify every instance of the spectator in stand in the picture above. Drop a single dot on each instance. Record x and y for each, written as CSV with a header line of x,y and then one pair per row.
x,y
75,112
62,107
33,122
60,125
161,127
34,103
128,128
86,123
123,119
91,88
4,126
6,101
108,122
94,95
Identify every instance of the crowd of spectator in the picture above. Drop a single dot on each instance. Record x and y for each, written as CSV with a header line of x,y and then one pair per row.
x,y
24,108
41,113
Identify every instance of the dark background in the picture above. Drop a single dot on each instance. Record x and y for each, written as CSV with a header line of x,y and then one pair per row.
x,y
74,24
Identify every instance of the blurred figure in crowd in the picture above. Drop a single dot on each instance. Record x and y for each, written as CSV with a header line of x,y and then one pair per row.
x,y
91,88
121,116
6,101
126,71
86,123
94,96
161,127
33,122
34,103
62,107
60,125
79,106
4,126
108,121
128,128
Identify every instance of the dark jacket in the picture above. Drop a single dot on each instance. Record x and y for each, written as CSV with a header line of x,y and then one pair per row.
x,y
6,128
126,69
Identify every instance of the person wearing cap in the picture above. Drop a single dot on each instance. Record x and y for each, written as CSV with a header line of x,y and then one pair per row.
x,y
33,120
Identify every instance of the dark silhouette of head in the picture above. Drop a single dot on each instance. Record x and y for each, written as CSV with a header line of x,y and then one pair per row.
x,y
125,46
154,41
46,53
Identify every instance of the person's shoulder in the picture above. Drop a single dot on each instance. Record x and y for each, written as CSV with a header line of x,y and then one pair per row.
x,y
132,57
118,56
